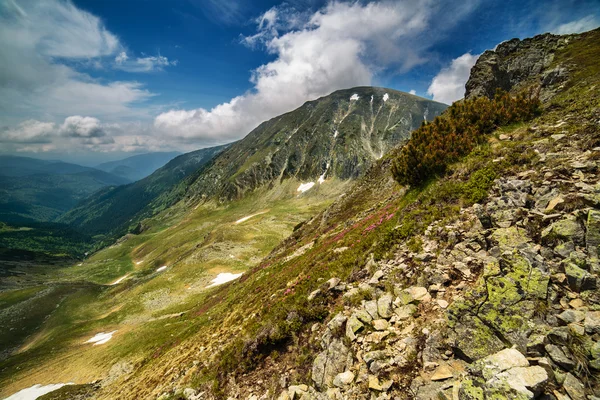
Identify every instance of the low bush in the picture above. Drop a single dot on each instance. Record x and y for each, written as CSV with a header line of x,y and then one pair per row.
x,y
453,135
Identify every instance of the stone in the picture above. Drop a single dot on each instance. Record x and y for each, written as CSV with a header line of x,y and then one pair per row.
x,y
442,303
554,202
579,279
592,322
384,305
574,387
353,325
343,379
297,391
374,355
473,340
333,282
441,373
313,294
578,329
363,316
565,229
191,394
510,238
284,396
559,357
570,316
376,277
500,361
595,350
414,294
330,362
336,324
374,383
371,308
380,324
564,249
528,382
406,312
592,236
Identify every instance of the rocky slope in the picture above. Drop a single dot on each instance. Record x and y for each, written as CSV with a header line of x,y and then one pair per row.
x,y
339,135
482,284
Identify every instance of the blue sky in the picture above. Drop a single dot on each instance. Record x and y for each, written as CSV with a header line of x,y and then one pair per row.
x,y
92,80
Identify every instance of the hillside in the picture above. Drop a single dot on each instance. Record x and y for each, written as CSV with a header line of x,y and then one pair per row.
x,y
336,136
116,209
478,282
139,166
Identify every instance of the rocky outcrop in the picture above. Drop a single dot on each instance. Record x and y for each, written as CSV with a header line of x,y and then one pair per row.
x,y
517,64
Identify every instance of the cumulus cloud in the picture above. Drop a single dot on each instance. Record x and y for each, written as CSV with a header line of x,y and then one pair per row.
x,y
413,92
581,25
40,42
449,84
339,46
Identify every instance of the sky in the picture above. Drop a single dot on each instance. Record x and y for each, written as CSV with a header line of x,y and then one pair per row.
x,y
89,81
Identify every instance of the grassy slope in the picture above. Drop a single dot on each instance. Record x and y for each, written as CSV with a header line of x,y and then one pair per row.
x,y
253,314
196,242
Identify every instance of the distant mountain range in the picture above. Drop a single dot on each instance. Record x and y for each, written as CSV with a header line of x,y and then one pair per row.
x,y
137,167
113,210
41,190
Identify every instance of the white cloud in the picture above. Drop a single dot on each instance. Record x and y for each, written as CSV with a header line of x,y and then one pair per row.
x,y
78,126
340,46
142,64
581,25
40,42
449,84
413,92
121,58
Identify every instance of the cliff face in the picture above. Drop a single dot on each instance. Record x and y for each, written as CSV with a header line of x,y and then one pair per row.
x,y
339,135
518,64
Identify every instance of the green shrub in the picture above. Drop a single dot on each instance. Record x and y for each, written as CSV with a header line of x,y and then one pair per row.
x,y
453,135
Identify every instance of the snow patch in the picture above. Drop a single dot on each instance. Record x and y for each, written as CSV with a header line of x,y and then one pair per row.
x,y
335,133
239,221
322,177
101,338
119,280
305,186
139,262
35,391
224,277
386,97
161,268
371,98
354,97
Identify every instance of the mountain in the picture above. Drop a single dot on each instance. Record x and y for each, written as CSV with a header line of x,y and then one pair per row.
x,y
336,136
40,190
115,209
139,166
479,281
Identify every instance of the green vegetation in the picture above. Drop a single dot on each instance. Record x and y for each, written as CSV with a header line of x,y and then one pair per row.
x,y
451,136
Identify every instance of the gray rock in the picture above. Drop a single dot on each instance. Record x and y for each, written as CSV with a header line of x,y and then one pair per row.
x,y
330,362
371,308
592,322
574,387
384,305
376,277
343,379
565,230
528,382
558,356
595,350
592,236
500,361
380,324
579,279
353,325
570,316
406,312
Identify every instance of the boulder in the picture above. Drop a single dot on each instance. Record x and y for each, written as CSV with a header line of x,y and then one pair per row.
x,y
564,230
384,305
353,325
578,278
592,236
526,382
330,362
499,362
558,356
